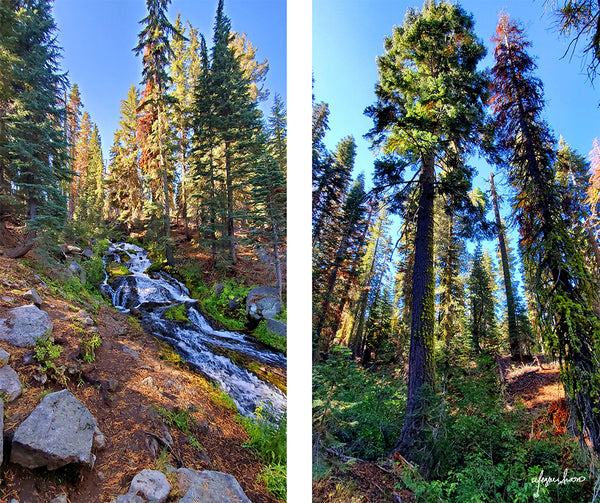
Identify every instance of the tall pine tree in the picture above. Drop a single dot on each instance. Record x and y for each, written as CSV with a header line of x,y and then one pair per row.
x,y
429,108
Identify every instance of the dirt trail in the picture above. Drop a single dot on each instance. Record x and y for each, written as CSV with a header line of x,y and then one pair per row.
x,y
132,372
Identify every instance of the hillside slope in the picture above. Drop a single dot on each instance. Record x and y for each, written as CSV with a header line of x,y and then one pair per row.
x,y
134,385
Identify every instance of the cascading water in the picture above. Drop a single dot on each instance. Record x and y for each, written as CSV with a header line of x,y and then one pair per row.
x,y
195,341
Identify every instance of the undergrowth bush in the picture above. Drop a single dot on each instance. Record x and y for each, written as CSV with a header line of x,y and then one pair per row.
x,y
267,438
480,451
264,335
356,411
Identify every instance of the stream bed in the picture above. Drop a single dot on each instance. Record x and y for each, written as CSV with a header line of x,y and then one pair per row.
x,y
217,354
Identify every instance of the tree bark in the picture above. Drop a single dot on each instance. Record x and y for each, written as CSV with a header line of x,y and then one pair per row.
x,y
421,371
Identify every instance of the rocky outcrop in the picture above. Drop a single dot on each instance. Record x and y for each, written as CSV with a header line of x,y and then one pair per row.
x,y
263,303
209,487
24,325
59,431
10,385
277,327
205,486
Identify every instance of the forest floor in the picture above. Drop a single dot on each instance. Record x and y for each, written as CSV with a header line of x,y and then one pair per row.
x,y
536,387
133,375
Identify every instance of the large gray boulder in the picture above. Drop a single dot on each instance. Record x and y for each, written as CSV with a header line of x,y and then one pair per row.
x,y
24,325
10,385
209,487
59,431
263,303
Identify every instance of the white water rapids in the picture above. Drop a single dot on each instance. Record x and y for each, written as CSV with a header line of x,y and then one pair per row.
x,y
196,342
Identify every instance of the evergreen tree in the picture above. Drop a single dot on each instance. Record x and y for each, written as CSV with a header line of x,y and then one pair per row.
x,y
350,228
36,142
483,321
74,107
8,75
563,284
207,179
513,337
254,72
581,20
124,182
429,109
331,183
277,129
81,160
94,192
184,71
235,118
154,43
268,191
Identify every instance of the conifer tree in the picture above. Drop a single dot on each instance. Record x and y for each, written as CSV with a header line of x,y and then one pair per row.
x,y
94,193
8,76
277,129
350,226
330,184
235,118
513,336
483,321
36,142
254,72
74,107
563,285
124,182
268,191
154,43
429,108
184,71
81,160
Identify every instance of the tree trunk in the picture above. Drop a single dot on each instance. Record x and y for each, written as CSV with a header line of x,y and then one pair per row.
x,y
513,335
421,371
22,249
229,184
165,182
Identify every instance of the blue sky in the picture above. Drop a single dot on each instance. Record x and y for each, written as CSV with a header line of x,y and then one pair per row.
x,y
97,37
348,35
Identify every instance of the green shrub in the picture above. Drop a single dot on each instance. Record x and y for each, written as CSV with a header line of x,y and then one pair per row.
x,y
271,339
46,353
357,411
94,269
183,420
176,312
88,345
268,440
482,452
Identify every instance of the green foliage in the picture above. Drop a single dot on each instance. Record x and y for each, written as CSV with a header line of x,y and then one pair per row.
x,y
94,269
268,439
482,453
46,353
218,307
264,335
134,323
88,345
176,312
183,420
117,269
355,410
71,289
223,399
